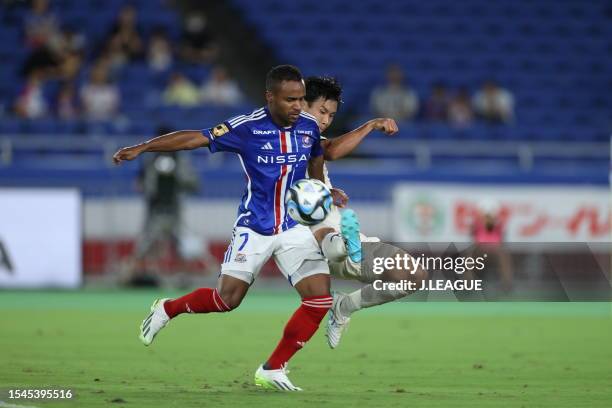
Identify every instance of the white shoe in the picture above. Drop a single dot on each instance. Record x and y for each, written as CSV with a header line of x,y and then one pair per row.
x,y
154,322
336,322
274,379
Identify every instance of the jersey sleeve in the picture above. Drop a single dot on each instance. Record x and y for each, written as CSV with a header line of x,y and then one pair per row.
x,y
223,138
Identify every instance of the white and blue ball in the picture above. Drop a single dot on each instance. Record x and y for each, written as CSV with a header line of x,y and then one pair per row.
x,y
308,201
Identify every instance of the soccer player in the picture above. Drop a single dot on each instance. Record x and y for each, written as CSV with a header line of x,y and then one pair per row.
x,y
343,250
275,144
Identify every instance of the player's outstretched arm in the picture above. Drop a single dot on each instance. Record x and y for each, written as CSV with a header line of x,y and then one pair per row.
x,y
342,146
170,142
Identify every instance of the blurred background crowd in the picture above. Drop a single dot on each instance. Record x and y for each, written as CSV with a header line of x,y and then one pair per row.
x,y
534,65
72,67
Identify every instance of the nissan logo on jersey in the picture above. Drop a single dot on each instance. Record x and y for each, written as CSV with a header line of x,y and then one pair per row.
x,y
282,159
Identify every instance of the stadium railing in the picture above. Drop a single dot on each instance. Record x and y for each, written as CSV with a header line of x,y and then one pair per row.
x,y
424,153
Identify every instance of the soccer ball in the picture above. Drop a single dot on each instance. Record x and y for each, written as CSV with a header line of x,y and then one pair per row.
x,y
308,201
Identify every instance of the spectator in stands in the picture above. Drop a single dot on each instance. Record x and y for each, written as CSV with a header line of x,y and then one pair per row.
x,y
181,91
43,61
31,103
197,45
125,37
41,25
40,29
494,104
99,97
436,107
68,41
159,54
68,48
395,100
70,66
113,58
66,105
460,113
220,89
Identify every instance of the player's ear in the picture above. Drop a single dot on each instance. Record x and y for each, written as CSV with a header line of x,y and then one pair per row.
x,y
269,97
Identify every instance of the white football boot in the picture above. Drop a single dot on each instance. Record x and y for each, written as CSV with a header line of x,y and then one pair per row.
x,y
337,323
274,379
154,322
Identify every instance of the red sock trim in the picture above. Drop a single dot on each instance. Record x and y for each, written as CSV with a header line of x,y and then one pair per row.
x,y
214,298
318,301
223,307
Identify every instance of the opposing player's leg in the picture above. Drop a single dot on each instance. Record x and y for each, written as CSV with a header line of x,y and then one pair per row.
x,y
328,236
241,264
332,244
346,304
367,296
338,245
299,259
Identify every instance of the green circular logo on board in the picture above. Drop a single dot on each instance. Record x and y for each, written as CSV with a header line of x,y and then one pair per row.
x,y
424,217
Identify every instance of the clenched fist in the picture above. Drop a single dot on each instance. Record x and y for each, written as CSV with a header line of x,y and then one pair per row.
x,y
385,125
127,153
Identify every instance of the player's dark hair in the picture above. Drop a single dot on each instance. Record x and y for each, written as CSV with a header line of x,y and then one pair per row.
x,y
282,73
323,87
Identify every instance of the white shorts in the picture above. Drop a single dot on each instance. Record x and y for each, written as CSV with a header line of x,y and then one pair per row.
x,y
295,251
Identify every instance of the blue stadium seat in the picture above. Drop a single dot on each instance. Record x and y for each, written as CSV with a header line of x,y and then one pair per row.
x,y
47,126
11,126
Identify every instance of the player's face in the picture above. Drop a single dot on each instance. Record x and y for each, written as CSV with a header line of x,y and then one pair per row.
x,y
324,110
286,101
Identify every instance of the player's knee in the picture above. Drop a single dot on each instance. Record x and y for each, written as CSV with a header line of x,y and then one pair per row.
x,y
232,289
314,285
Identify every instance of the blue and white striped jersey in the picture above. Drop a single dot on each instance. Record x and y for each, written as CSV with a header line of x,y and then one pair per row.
x,y
273,158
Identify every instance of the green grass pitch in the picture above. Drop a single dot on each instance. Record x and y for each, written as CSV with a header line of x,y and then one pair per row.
x,y
435,354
